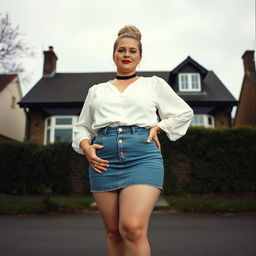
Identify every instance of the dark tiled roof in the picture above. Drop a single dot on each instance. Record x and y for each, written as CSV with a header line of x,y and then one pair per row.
x,y
70,89
5,80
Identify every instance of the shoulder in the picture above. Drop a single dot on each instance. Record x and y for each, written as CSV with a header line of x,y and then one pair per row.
x,y
95,87
157,83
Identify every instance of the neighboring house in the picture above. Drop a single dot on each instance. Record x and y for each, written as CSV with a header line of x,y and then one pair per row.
x,y
12,117
246,109
55,102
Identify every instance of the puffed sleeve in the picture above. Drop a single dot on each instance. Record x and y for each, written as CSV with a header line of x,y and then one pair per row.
x,y
82,129
175,113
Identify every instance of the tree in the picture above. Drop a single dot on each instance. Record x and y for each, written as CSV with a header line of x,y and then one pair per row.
x,y
12,47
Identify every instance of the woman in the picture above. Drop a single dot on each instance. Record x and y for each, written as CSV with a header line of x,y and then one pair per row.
x,y
125,162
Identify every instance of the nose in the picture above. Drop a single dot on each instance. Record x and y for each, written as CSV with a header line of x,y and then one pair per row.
x,y
126,54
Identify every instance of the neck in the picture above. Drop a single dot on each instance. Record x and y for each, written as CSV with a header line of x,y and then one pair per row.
x,y
121,77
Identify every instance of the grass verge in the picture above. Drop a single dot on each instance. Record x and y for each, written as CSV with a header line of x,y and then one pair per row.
x,y
27,205
10,204
212,203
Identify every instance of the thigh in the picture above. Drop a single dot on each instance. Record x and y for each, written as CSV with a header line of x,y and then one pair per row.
x,y
108,205
136,205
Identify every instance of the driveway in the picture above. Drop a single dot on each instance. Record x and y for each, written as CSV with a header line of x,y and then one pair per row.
x,y
169,234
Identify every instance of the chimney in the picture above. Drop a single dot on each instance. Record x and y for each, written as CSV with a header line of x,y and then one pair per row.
x,y
249,61
50,60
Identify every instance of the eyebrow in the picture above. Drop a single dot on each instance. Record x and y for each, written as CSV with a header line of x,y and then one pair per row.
x,y
120,47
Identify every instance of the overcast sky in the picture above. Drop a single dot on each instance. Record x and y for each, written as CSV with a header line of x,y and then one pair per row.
x,y
214,33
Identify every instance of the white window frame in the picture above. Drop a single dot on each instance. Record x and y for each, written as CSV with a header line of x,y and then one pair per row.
x,y
205,121
53,126
189,78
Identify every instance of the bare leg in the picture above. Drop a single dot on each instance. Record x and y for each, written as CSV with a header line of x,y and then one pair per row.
x,y
108,205
136,205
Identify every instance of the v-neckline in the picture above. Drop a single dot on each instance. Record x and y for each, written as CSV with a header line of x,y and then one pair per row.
x,y
112,85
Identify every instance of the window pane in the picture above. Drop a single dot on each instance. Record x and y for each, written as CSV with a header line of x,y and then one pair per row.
x,y
201,120
198,120
63,135
195,84
184,81
63,121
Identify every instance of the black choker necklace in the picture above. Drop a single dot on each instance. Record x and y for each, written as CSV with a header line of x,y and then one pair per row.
x,y
125,77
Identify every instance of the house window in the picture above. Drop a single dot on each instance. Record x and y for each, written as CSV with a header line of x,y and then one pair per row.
x,y
203,120
59,128
189,82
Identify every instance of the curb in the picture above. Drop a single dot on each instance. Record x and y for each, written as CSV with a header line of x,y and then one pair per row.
x,y
160,205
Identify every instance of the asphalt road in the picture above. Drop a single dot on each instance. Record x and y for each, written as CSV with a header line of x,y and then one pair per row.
x,y
169,235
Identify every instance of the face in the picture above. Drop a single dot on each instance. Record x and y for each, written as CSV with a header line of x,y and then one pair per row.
x,y
127,56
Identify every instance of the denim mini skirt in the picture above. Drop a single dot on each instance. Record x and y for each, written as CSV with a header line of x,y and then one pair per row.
x,y
132,160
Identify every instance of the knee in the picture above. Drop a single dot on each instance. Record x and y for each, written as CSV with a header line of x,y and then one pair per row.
x,y
132,232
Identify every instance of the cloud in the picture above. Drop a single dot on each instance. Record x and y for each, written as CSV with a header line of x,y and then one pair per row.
x,y
214,33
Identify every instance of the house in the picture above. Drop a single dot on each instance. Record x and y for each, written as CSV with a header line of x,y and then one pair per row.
x,y
12,117
54,103
246,109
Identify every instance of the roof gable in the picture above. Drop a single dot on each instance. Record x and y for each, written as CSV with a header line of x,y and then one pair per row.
x,y
189,65
5,80
191,62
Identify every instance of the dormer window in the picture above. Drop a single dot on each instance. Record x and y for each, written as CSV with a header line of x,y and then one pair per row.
x,y
189,82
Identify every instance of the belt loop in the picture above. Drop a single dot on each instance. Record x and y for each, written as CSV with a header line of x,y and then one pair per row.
x,y
106,129
133,130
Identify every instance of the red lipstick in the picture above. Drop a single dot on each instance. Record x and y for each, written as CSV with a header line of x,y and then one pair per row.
x,y
126,61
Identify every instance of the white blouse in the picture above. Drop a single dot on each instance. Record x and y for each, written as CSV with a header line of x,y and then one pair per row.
x,y
105,105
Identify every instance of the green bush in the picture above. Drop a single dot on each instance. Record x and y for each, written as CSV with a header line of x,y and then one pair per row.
x,y
25,167
218,160
221,160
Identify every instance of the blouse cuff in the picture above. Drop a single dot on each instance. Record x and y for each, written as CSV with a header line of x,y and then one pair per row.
x,y
76,143
175,128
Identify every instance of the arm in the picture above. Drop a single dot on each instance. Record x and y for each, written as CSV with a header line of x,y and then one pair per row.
x,y
82,129
174,112
83,134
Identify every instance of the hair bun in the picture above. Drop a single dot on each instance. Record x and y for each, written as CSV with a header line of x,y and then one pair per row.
x,y
130,30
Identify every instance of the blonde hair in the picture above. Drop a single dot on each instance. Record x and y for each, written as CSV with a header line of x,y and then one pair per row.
x,y
129,31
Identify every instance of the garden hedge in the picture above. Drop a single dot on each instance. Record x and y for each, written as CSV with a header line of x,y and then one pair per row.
x,y
30,168
219,160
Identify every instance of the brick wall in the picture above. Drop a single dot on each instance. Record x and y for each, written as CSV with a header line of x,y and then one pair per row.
x,y
221,117
36,127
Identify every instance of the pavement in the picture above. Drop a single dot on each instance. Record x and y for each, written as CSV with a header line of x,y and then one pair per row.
x,y
170,234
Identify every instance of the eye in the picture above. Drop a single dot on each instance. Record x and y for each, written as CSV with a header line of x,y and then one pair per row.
x,y
133,51
120,50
